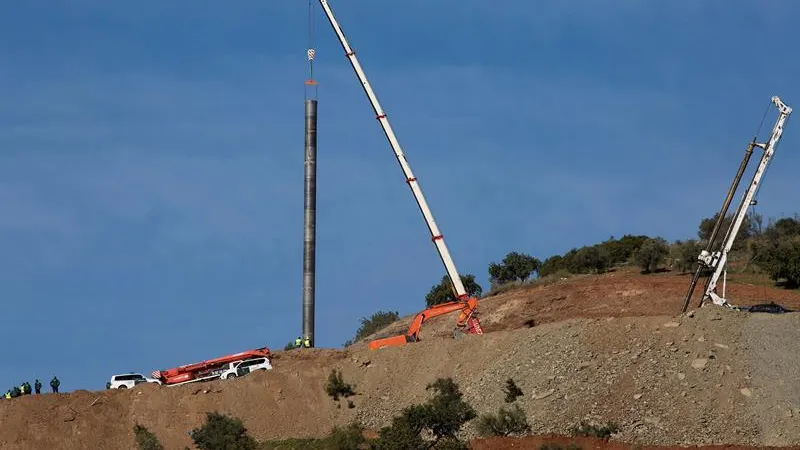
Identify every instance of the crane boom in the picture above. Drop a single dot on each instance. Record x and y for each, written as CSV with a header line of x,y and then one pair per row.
x,y
719,259
411,180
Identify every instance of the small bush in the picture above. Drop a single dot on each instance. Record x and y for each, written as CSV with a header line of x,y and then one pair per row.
x,y
375,323
350,437
145,439
441,417
512,391
443,292
222,432
336,387
507,422
592,430
289,346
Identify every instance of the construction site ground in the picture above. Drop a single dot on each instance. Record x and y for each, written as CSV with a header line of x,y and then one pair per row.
x,y
601,348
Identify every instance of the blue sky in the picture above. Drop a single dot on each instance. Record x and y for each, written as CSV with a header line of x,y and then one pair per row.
x,y
151,157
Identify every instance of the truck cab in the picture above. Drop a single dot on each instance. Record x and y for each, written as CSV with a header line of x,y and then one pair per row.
x,y
241,368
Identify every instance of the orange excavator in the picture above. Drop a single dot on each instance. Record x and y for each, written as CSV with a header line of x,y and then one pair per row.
x,y
468,322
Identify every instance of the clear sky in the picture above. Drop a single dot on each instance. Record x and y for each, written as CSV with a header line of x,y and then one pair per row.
x,y
151,157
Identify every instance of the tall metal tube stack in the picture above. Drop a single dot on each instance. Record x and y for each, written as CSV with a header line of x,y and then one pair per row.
x,y
310,222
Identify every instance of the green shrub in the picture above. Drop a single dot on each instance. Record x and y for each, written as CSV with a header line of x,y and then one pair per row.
x,y
375,323
442,416
222,432
336,387
512,391
443,292
145,439
507,422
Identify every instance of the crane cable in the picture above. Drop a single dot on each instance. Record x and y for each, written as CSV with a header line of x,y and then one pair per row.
x,y
311,52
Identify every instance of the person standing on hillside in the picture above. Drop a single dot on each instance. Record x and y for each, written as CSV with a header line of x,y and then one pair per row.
x,y
54,384
37,385
298,342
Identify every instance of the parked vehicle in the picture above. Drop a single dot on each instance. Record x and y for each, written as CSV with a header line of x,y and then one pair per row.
x,y
241,368
206,370
128,380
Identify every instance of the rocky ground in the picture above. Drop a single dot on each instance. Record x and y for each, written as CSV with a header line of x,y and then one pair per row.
x,y
713,376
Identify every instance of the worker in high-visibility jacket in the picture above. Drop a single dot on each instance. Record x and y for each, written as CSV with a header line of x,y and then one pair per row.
x,y
298,342
307,343
8,394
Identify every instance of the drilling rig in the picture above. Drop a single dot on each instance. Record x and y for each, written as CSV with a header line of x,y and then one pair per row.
x,y
717,260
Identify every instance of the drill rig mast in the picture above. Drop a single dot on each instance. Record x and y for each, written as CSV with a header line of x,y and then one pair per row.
x,y
718,260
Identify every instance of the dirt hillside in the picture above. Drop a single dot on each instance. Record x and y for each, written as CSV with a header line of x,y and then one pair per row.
x,y
622,293
714,376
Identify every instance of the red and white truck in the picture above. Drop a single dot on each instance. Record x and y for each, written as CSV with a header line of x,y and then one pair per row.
x,y
206,370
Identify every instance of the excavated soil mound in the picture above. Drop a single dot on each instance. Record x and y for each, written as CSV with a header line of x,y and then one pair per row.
x,y
712,377
622,293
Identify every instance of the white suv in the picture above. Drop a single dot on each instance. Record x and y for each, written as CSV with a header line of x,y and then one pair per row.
x,y
129,380
241,368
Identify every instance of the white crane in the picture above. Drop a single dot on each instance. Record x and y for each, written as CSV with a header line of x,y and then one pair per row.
x,y
718,260
436,235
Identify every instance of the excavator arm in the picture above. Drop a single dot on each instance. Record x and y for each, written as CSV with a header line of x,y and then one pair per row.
x,y
467,323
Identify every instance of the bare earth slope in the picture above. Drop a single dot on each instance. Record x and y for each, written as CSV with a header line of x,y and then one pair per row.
x,y
623,293
714,376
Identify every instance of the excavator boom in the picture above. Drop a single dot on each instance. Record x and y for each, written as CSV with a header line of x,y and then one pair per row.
x,y
467,323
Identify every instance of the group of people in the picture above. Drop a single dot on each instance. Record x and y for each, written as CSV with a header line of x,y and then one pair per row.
x,y
300,342
25,388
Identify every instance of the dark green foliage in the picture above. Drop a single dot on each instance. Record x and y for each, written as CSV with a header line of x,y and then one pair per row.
x,y
289,346
336,387
350,437
552,265
507,422
745,231
443,292
511,390
375,323
591,259
777,251
685,254
403,433
347,438
651,254
442,417
514,267
222,432
594,259
598,431
145,439
447,410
